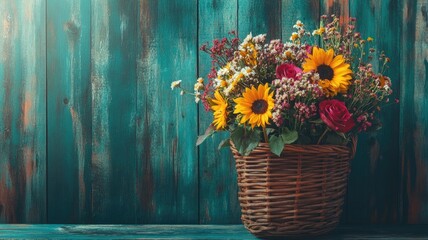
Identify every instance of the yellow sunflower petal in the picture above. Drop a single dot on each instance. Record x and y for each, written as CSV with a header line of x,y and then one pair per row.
x,y
219,111
255,106
336,62
309,65
335,80
315,52
328,57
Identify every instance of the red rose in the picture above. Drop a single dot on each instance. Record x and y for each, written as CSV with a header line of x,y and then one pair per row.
x,y
287,70
335,114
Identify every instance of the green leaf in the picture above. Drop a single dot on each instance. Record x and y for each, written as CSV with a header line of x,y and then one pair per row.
x,y
245,139
269,131
208,132
276,144
289,137
224,143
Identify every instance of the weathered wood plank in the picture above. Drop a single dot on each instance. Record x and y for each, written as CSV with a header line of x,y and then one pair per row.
x,y
259,17
22,111
388,232
113,75
125,232
167,165
373,192
69,111
217,174
339,8
306,11
414,111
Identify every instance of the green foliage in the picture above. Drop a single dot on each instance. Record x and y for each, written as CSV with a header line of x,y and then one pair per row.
x,y
208,132
276,143
224,143
245,139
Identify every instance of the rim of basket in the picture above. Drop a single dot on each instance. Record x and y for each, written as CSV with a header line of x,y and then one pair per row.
x,y
304,148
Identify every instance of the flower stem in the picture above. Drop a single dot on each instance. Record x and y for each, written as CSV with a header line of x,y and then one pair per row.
x,y
265,134
322,136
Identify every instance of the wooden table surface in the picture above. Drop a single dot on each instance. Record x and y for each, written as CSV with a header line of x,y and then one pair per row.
x,y
9,231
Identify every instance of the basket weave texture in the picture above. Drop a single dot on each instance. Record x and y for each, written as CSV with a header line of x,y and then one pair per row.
x,y
300,193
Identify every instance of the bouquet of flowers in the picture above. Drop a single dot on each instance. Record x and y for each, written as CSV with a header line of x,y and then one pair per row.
x,y
320,87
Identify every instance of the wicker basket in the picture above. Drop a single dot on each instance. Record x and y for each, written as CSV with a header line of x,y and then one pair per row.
x,y
300,193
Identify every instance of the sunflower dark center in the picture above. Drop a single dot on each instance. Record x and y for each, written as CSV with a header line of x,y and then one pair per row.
x,y
325,72
259,106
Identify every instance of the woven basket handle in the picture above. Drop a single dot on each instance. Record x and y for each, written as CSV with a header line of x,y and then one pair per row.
x,y
353,146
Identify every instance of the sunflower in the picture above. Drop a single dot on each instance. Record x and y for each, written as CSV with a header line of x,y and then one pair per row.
x,y
219,107
255,105
334,72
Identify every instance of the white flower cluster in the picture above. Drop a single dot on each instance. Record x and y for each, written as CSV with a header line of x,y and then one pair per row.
x,y
199,86
236,78
300,31
244,43
175,84
293,51
242,67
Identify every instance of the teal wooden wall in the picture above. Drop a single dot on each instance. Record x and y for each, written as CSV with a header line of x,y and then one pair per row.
x,y
90,131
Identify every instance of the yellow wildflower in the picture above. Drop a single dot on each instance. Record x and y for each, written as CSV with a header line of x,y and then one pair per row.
x,y
294,36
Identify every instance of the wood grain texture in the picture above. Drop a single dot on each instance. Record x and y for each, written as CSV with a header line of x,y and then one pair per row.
x,y
69,111
22,111
352,232
113,75
125,232
306,11
414,111
259,17
340,8
167,160
373,192
218,191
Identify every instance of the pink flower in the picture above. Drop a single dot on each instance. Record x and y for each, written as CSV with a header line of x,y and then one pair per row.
x,y
335,114
308,49
287,70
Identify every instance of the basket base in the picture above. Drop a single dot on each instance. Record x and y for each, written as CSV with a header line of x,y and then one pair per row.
x,y
298,194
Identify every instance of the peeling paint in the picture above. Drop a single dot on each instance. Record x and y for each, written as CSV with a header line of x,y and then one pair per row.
x,y
79,142
7,184
29,179
123,25
7,201
26,108
416,191
101,98
29,56
75,69
338,7
29,163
